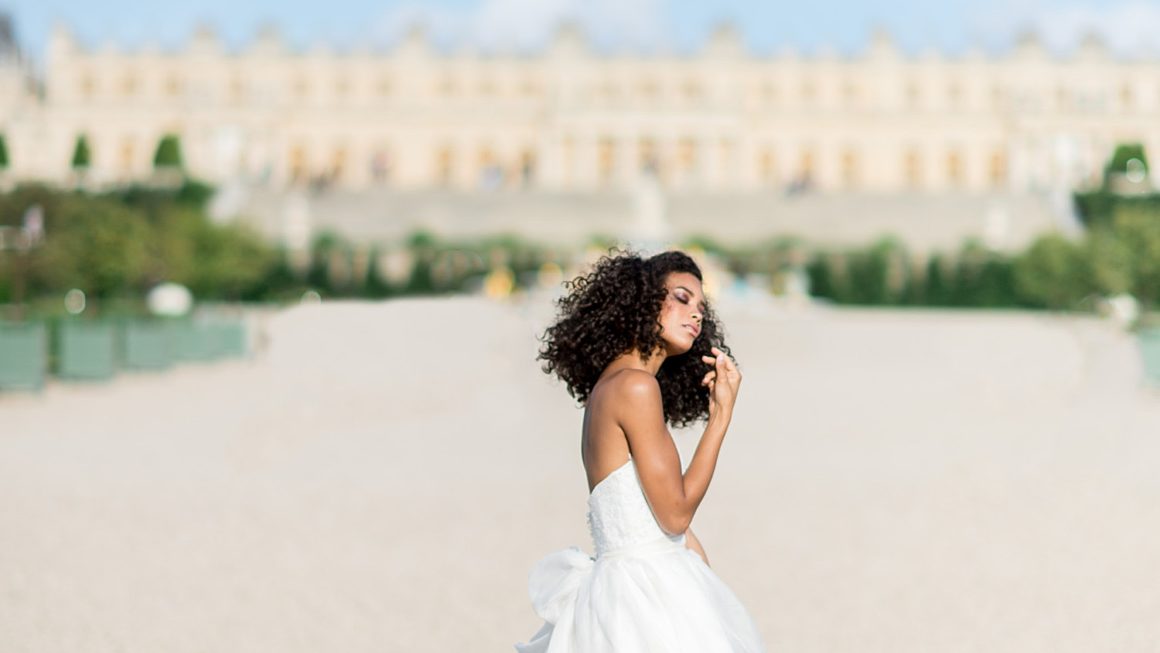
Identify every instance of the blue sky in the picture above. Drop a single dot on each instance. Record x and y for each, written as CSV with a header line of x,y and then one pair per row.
x,y
679,24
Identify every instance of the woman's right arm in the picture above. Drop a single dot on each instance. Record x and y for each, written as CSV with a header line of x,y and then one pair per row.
x,y
673,497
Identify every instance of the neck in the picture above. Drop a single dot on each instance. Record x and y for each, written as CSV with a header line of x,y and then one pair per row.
x,y
632,360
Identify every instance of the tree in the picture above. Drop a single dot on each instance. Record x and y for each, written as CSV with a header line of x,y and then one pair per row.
x,y
1124,153
81,158
96,245
168,155
1053,273
1139,230
3,152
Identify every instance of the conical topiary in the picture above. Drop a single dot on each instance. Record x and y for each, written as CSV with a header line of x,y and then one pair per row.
x,y
81,157
168,155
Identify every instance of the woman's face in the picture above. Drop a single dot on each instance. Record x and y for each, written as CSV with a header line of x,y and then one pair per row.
x,y
681,312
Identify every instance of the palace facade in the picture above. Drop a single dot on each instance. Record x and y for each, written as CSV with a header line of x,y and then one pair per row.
x,y
570,118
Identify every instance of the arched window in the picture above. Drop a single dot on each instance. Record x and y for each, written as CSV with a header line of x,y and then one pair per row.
x,y
606,159
88,86
649,161
954,169
337,163
130,84
444,165
173,85
767,164
998,169
912,168
128,156
687,155
298,165
851,172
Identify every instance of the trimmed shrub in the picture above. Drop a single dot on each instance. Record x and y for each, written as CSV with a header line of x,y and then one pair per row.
x,y
82,156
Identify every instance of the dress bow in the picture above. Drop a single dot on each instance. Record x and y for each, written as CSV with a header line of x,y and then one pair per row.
x,y
554,581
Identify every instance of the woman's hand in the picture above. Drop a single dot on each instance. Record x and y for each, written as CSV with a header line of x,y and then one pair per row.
x,y
723,381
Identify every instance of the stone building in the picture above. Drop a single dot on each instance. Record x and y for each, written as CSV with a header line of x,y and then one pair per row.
x,y
571,118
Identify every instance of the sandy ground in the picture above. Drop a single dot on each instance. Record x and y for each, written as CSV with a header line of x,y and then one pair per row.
x,y
385,475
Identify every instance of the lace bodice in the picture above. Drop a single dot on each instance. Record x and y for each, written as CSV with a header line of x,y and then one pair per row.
x,y
619,515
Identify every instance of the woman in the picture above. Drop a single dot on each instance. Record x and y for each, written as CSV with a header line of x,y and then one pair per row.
x,y
636,343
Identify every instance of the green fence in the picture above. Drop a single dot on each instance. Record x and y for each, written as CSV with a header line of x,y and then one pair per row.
x,y
1149,340
23,355
88,350
147,345
97,349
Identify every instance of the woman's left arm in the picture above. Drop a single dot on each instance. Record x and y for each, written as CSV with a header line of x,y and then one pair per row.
x,y
693,543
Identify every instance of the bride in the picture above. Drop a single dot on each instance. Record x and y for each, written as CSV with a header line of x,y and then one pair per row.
x,y
637,345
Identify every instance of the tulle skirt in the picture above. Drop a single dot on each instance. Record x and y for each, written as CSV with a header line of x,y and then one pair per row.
x,y
659,597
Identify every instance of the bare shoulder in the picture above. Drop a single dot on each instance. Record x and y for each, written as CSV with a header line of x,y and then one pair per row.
x,y
632,398
632,387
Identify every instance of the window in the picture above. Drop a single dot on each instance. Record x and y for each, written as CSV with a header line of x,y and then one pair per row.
x,y
998,169
444,165
173,86
447,87
806,164
298,171
88,86
337,163
769,93
850,168
998,97
649,90
237,90
1127,97
954,95
649,162
692,90
568,154
687,154
606,159
767,164
301,88
128,155
608,91
850,94
912,168
725,151
129,84
809,92
490,174
912,95
955,169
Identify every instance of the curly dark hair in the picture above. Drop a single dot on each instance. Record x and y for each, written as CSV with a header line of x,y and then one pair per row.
x,y
614,309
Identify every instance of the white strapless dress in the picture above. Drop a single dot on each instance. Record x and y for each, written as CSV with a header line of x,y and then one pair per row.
x,y
643,591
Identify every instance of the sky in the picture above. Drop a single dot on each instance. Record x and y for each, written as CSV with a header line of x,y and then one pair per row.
x,y
807,26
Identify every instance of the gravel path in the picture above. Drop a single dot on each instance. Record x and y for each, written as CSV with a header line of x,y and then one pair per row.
x,y
384,476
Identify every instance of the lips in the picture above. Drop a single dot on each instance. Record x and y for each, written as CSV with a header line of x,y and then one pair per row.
x,y
692,329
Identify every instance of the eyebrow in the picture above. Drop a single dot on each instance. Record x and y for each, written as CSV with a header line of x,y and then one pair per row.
x,y
700,304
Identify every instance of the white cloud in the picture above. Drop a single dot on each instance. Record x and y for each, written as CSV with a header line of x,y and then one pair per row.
x,y
529,24
1127,27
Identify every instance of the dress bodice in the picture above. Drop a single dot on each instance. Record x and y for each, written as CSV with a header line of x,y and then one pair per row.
x,y
619,517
